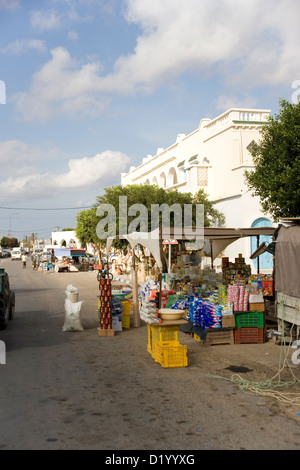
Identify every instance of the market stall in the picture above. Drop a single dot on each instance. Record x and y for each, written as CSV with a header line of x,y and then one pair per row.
x,y
69,259
215,307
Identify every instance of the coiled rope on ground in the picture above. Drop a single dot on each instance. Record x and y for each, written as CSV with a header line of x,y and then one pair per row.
x,y
271,387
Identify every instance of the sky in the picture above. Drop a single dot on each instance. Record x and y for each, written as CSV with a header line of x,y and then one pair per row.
x,y
90,87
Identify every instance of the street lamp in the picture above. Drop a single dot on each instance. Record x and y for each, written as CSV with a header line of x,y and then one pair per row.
x,y
16,213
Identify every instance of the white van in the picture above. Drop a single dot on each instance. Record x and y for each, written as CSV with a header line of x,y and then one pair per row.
x,y
16,253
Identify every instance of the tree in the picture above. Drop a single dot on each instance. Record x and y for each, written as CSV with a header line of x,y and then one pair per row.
x,y
276,157
212,217
86,229
147,196
7,242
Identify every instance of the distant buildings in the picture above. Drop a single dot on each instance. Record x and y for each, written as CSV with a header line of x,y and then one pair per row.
x,y
214,157
66,239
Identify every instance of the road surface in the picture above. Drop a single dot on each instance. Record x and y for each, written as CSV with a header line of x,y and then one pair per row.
x,y
78,391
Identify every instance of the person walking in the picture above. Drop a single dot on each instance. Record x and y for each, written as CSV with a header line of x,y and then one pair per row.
x,y
24,260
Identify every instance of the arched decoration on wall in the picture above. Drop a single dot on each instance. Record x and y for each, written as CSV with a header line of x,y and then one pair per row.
x,y
72,243
147,181
172,177
266,259
162,180
155,180
63,243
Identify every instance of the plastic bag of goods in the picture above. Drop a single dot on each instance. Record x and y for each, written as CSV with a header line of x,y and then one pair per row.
x,y
72,293
72,316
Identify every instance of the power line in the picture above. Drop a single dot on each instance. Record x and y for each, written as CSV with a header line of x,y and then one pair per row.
x,y
46,209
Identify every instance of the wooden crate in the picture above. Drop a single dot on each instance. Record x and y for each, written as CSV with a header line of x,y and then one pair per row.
x,y
228,321
256,306
219,336
101,332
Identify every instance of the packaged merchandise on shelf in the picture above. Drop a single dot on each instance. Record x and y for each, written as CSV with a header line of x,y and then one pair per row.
x,y
237,272
145,289
204,313
149,312
238,297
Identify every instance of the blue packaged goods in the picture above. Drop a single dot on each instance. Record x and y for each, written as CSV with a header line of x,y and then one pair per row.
x,y
204,313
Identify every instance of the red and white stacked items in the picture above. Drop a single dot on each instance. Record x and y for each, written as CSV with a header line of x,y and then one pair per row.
x,y
238,297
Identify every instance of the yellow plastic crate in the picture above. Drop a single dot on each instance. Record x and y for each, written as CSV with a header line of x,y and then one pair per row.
x,y
125,321
171,354
161,333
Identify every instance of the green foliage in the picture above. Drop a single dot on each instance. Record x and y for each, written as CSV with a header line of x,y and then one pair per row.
x,y
146,195
276,177
7,242
86,226
212,217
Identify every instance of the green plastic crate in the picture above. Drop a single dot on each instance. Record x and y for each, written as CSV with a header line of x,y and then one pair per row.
x,y
249,319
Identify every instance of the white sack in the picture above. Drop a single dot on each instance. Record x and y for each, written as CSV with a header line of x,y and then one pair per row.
x,y
72,316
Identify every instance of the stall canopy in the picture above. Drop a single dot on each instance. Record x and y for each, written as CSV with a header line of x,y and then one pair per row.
x,y
219,237
68,252
150,240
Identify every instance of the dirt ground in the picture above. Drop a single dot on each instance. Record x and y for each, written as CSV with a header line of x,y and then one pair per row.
x,y
76,390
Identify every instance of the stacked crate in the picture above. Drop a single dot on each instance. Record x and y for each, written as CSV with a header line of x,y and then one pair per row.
x,y
164,346
250,326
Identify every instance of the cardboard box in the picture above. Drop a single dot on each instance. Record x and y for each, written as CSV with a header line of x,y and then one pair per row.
x,y
256,306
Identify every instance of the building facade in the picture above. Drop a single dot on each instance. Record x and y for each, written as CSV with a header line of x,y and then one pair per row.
x,y
66,239
214,157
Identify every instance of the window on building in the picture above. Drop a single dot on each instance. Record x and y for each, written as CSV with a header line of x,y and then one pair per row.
x,y
202,176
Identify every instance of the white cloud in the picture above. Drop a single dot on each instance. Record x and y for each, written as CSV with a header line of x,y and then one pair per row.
x,y
82,174
73,35
45,20
247,43
225,102
21,46
18,157
62,85
9,4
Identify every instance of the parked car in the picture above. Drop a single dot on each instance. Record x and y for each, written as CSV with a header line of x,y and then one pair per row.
x,y
16,254
7,300
6,253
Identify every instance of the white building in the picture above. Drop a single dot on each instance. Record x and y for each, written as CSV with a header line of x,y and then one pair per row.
x,y
214,157
66,239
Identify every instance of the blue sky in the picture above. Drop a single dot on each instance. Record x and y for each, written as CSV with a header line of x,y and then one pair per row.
x,y
94,86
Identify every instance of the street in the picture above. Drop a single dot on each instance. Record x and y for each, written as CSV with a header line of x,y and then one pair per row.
x,y
78,391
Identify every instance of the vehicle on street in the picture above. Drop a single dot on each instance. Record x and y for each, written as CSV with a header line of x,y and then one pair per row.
x,y
45,257
7,300
6,252
16,254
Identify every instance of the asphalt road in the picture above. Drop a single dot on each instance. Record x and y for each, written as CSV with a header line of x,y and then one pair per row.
x,y
78,391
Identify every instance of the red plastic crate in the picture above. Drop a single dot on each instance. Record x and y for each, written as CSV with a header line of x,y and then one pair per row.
x,y
249,335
